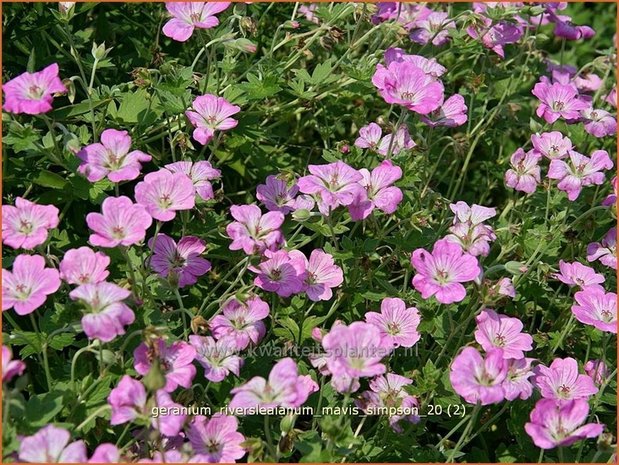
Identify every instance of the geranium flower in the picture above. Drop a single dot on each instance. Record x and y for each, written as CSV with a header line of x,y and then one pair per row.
x,y
27,286
26,224
495,35
496,331
320,273
254,232
378,192
428,65
611,98
596,307
468,229
216,440
435,28
210,113
577,274
277,196
279,273
10,368
552,144
369,136
163,193
32,93
180,263
201,174
175,360
558,101
401,141
186,16
597,371
451,113
51,445
218,358
605,251
105,453
599,123
84,266
517,384
477,379
397,323
524,174
562,381
242,321
121,222
611,199
579,172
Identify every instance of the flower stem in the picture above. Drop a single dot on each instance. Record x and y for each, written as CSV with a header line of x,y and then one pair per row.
x,y
466,432
269,438
43,343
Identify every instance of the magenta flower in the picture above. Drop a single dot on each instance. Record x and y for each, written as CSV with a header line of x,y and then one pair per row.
x,y
428,65
605,251
559,424
112,158
552,144
335,183
121,222
597,371
107,315
379,191
175,360
10,368
433,28
169,425
26,287
524,174
611,98
451,113
84,266
517,384
163,193
216,440
210,113
127,400
441,272
496,331
579,172
477,379
180,263
503,287
277,196
32,93
51,445
25,225
397,324
562,381
468,229
596,307
201,174
106,453
186,16
320,273
369,136
495,36
401,142
218,358
577,274
279,273
558,101
599,123
285,388
241,321
254,232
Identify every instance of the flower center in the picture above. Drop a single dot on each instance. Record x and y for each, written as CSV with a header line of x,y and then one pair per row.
x,y
22,292
442,277
239,323
195,17
35,92
393,328
564,391
607,316
499,340
165,202
118,232
25,227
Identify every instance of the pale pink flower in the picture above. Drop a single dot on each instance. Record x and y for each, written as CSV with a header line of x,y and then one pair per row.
x,y
477,379
562,381
597,371
175,360
121,222
433,28
320,273
201,174
163,193
577,274
218,358
596,307
473,215
495,35
611,199
180,263
517,384
605,251
106,452
242,321
552,144
611,98
10,368
186,16
401,141
26,224
452,113
216,440
277,195
428,65
496,331
378,192
579,171
84,266
279,273
369,136
599,123
254,232
524,174
210,113
397,323
51,445
32,93
558,101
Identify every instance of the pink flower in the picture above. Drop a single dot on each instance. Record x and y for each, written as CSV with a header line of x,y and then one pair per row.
x,y
599,123
428,65
201,174
285,388
107,315
435,28
106,453
579,172
503,287
216,440
369,136
51,445
84,266
468,229
210,113
495,36
452,113
441,272
588,82
26,287
26,224
552,144
577,274
496,331
401,142
279,273
277,196
241,321
175,360
611,199
320,273
524,174
10,368
596,307
121,223
169,425
403,83
32,93
180,262
397,324
611,98
558,101
606,250
186,16
254,232
477,379
308,12
356,350
218,358
516,384
562,381
378,191
566,30
559,424
597,371
163,193
472,215
112,158
335,183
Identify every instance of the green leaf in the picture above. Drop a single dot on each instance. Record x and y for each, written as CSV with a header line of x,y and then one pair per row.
x,y
42,408
51,180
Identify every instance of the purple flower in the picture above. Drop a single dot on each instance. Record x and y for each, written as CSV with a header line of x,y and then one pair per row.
x,y
435,28
106,453
26,287
473,215
201,174
121,222
378,191
107,315
84,266
562,381
25,225
216,440
524,174
32,93
496,331
494,36
279,273
441,272
10,368
452,113
175,360
180,262
218,358
277,196
558,101
597,371
428,65
611,98
577,274
468,229
51,445
210,113
397,324
599,123
566,30
127,400
611,199
606,250
254,232
516,384
320,273
186,16
241,321
477,379
163,193
580,171
559,424
402,141
552,144
112,158
596,307
369,136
